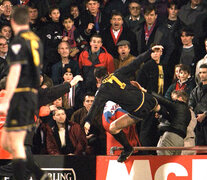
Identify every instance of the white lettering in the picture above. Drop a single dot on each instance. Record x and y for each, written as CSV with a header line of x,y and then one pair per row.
x,y
164,170
199,169
140,168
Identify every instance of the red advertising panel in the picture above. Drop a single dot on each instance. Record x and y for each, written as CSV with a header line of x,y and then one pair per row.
x,y
152,168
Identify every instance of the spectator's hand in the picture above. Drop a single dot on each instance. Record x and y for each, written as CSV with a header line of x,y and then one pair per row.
x,y
44,86
89,136
157,47
4,106
87,127
52,107
90,27
71,154
200,117
137,85
2,8
65,38
75,80
74,52
43,19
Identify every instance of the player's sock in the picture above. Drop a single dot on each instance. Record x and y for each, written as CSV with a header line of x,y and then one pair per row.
x,y
121,138
19,166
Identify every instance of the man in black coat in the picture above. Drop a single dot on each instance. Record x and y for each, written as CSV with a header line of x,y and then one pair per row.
x,y
117,32
179,117
152,31
93,20
198,102
153,77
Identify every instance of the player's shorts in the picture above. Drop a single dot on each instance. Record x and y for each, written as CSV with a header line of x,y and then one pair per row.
x,y
148,106
21,112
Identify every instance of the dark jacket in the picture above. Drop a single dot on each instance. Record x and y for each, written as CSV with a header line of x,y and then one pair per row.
x,y
148,76
194,19
160,35
74,136
186,86
198,100
110,45
80,42
3,20
48,95
51,37
87,18
179,115
134,25
57,71
4,68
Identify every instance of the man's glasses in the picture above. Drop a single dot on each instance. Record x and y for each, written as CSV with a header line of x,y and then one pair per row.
x,y
1,44
7,6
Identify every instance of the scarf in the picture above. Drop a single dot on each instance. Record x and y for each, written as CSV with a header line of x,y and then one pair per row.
x,y
148,32
71,38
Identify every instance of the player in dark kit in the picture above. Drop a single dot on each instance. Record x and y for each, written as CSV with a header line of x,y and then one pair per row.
x,y
117,88
20,101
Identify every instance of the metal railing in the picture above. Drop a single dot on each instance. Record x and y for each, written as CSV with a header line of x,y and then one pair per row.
x,y
192,148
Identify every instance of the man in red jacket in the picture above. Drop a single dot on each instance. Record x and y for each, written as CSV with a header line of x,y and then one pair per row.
x,y
95,56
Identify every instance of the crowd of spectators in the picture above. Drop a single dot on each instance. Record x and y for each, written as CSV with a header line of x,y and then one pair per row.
x,y
79,36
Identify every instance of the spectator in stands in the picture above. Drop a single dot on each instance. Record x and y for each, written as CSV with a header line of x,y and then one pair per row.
x,y
75,12
57,69
72,36
96,137
5,12
79,115
73,99
160,5
65,137
117,32
198,102
124,55
35,23
117,5
4,68
172,9
152,31
94,56
189,53
51,37
176,73
153,77
45,81
6,31
172,23
202,61
135,18
93,20
178,120
185,82
194,16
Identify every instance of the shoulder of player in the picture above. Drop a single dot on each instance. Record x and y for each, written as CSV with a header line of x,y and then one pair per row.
x,y
29,35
